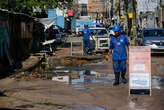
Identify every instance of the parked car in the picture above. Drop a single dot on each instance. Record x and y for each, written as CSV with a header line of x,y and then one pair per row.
x,y
60,30
102,39
153,37
111,32
110,28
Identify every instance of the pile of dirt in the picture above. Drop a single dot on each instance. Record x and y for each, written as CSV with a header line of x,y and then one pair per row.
x,y
29,76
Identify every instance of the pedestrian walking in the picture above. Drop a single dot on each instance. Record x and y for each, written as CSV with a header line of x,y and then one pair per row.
x,y
118,45
86,38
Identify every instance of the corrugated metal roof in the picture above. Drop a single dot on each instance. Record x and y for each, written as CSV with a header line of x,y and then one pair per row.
x,y
16,13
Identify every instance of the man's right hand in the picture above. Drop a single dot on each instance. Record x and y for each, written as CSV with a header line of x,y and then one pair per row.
x,y
107,58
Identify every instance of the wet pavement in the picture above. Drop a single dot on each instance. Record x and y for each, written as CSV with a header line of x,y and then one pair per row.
x,y
84,85
85,75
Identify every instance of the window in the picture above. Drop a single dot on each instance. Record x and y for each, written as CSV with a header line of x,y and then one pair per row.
x,y
84,11
98,31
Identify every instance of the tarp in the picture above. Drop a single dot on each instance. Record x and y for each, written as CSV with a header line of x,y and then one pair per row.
x,y
47,22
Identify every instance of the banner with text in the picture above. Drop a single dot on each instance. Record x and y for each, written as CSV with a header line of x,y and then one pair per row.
x,y
139,67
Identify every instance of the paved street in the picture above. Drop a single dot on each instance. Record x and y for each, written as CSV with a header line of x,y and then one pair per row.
x,y
68,54
94,93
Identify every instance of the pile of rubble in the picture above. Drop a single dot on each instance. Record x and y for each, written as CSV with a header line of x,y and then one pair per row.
x,y
29,76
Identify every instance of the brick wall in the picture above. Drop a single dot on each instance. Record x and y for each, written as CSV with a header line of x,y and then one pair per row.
x,y
94,5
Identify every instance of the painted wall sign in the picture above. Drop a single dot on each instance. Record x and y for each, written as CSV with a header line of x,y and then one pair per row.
x,y
70,12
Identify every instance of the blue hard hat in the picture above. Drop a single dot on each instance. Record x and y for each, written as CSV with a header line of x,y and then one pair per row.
x,y
116,28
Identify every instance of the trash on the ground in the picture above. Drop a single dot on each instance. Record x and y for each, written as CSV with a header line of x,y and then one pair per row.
x,y
157,82
88,72
48,42
59,67
134,99
61,71
61,78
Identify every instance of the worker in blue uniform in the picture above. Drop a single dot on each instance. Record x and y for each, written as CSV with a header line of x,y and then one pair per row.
x,y
118,48
86,38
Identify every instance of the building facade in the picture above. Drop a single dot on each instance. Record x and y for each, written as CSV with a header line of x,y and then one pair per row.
x,y
148,13
98,9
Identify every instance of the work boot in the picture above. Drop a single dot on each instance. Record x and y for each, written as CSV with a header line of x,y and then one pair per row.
x,y
124,80
117,77
86,50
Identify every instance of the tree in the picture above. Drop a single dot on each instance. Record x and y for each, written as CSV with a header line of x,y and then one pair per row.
x,y
3,4
27,6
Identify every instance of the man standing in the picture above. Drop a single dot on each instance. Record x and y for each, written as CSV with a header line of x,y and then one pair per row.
x,y
86,38
118,44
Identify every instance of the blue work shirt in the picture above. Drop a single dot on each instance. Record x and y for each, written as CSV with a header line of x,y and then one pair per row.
x,y
118,45
86,33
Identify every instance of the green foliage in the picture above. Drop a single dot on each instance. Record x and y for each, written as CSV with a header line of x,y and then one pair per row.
x,y
27,6
3,3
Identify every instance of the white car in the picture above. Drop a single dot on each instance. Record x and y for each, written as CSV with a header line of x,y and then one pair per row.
x,y
102,39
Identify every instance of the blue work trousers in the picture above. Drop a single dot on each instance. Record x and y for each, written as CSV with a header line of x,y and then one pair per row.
x,y
119,66
86,45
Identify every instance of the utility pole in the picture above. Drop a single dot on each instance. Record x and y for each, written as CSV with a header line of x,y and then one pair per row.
x,y
119,11
134,17
126,13
111,11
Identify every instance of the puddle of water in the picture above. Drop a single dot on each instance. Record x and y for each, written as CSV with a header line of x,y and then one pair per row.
x,y
86,107
81,78
132,105
157,82
161,68
79,87
87,76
